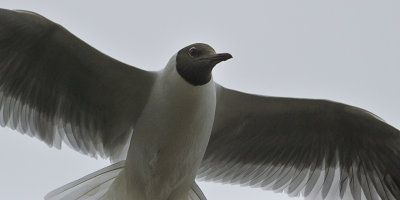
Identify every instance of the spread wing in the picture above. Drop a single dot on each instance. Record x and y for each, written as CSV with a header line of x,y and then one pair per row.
x,y
55,87
317,148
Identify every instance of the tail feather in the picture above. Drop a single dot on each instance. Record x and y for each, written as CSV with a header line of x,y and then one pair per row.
x,y
95,186
92,186
195,193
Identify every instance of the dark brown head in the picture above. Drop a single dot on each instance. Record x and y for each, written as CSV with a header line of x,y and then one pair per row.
x,y
195,62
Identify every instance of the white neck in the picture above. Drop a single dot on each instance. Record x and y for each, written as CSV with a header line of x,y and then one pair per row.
x,y
170,138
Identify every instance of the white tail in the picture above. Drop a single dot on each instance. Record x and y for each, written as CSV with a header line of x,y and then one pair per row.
x,y
95,186
196,194
92,186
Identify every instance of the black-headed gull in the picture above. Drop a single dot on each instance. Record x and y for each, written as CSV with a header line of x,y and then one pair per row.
x,y
162,129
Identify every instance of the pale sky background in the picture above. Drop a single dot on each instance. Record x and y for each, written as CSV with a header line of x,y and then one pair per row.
x,y
342,50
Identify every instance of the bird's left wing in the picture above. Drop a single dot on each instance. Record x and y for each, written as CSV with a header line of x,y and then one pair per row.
x,y
302,146
55,87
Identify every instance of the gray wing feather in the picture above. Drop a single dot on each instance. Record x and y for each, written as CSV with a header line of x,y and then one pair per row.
x,y
316,148
55,87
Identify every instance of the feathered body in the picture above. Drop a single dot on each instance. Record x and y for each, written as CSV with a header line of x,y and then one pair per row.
x,y
169,140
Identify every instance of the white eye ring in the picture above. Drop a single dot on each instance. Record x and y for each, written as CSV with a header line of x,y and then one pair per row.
x,y
193,52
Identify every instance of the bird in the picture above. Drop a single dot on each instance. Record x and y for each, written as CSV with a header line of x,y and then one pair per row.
x,y
163,129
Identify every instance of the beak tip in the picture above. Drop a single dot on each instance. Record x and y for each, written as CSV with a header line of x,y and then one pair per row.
x,y
224,56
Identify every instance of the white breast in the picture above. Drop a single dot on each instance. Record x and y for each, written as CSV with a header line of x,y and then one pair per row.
x,y
170,137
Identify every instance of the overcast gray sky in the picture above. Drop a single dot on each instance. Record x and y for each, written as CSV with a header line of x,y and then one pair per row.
x,y
343,50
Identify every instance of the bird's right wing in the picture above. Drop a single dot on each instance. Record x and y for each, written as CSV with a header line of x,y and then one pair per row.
x,y
316,148
55,87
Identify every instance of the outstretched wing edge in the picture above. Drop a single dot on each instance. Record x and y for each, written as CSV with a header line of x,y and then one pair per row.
x,y
55,87
315,148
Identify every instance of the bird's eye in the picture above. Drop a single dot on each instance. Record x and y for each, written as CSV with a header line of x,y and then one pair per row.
x,y
193,52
